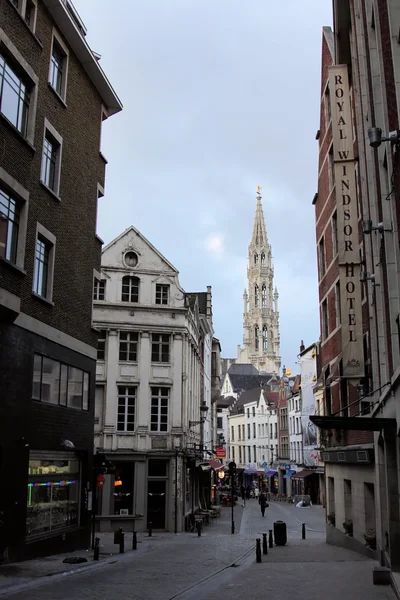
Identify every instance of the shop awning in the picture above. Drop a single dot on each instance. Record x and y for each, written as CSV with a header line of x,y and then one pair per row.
x,y
270,473
353,423
249,472
204,467
302,474
217,466
289,474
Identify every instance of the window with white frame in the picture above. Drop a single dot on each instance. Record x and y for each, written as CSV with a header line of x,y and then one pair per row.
x,y
159,409
162,293
128,346
101,344
51,159
57,383
130,289
44,263
9,226
160,347
27,9
58,66
126,408
99,289
14,95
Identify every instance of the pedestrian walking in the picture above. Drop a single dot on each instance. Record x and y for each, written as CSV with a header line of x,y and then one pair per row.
x,y
262,501
248,491
243,492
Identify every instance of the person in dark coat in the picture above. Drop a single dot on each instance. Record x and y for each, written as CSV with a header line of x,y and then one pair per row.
x,y
262,501
248,491
243,492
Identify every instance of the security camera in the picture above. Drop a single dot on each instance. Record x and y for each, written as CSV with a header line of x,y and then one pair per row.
x,y
363,276
367,227
375,137
68,444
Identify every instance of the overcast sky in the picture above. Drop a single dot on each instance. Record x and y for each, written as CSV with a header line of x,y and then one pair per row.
x,y
219,96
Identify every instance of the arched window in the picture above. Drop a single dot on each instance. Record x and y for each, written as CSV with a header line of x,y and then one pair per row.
x,y
264,296
256,259
262,259
256,342
130,289
256,295
265,338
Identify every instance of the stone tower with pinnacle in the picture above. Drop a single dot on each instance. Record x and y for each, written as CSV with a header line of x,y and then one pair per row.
x,y
260,317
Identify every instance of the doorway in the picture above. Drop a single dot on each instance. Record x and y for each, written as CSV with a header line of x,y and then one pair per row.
x,y
156,503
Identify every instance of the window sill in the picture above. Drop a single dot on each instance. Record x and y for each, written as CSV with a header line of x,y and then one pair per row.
x,y
57,95
160,364
125,432
12,266
16,131
50,191
43,299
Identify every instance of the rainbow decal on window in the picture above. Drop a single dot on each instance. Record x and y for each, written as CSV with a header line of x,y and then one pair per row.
x,y
51,483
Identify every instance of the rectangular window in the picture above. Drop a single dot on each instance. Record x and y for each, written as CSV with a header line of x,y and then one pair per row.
x,y
249,453
58,67
56,383
335,243
275,430
159,409
9,226
321,254
324,318
126,408
248,431
242,431
30,14
160,347
233,452
254,430
130,289
162,294
254,411
270,431
254,453
101,344
337,304
42,255
240,454
99,289
14,96
53,493
239,433
219,423
233,433
50,159
248,413
128,345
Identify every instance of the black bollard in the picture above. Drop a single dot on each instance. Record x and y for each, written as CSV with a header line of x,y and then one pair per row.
x,y
150,528
270,540
96,552
121,541
134,541
198,527
303,531
265,545
258,550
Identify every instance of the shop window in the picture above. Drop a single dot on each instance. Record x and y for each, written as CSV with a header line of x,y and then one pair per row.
x,y
53,493
59,384
123,488
157,468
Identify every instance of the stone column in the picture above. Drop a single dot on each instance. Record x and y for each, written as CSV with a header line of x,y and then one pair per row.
x,y
111,389
143,408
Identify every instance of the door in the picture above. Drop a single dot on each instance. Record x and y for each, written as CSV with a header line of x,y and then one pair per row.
x,y
156,503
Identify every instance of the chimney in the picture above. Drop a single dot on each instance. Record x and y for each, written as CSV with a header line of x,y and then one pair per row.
x,y
302,346
209,303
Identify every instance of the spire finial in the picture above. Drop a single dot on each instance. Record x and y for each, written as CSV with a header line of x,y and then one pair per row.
x,y
259,190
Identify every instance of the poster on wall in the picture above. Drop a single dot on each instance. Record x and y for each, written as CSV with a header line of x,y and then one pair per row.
x,y
309,430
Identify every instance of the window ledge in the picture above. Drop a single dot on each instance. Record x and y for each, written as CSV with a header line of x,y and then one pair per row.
x,y
158,364
12,265
125,432
128,362
43,299
50,191
20,135
39,43
57,95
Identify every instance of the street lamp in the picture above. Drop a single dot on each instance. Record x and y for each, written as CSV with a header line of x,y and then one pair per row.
x,y
203,413
177,443
232,472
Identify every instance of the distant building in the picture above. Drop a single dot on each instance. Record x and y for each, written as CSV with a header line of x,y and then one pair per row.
x,y
54,96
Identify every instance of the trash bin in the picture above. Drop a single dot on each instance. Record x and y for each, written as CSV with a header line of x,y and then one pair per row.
x,y
280,534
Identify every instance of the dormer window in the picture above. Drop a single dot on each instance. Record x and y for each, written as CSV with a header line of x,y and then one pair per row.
x,y
162,293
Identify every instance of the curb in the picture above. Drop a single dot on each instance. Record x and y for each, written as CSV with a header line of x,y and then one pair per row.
x,y
43,580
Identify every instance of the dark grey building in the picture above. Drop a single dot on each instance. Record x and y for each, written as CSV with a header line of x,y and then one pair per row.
x,y
53,98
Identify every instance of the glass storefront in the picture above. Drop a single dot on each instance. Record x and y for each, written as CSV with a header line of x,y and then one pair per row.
x,y
53,493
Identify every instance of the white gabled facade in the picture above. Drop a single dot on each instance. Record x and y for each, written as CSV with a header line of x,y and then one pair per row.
x,y
153,371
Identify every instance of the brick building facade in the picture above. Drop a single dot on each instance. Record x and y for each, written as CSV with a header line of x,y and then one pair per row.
x,y
53,98
364,47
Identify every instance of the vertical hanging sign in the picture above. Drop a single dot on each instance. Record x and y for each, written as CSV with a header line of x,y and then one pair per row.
x,y
347,220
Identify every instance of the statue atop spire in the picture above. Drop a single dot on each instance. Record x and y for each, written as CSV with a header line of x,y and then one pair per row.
x,y
260,315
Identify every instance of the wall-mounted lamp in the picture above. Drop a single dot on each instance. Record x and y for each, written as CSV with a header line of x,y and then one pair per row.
x,y
369,228
376,139
203,412
364,276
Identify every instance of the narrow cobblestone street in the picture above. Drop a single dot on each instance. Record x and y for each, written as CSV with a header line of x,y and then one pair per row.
x,y
196,568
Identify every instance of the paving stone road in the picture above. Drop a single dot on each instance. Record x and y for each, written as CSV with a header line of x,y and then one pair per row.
x,y
187,567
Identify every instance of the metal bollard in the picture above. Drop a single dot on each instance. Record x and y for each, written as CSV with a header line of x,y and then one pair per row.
x,y
270,540
121,541
265,545
96,552
134,541
198,527
150,528
303,531
258,550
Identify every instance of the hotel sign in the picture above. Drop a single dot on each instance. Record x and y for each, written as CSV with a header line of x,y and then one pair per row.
x,y
347,223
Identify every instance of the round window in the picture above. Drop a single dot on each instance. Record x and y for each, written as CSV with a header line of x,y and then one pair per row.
x,y
131,259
